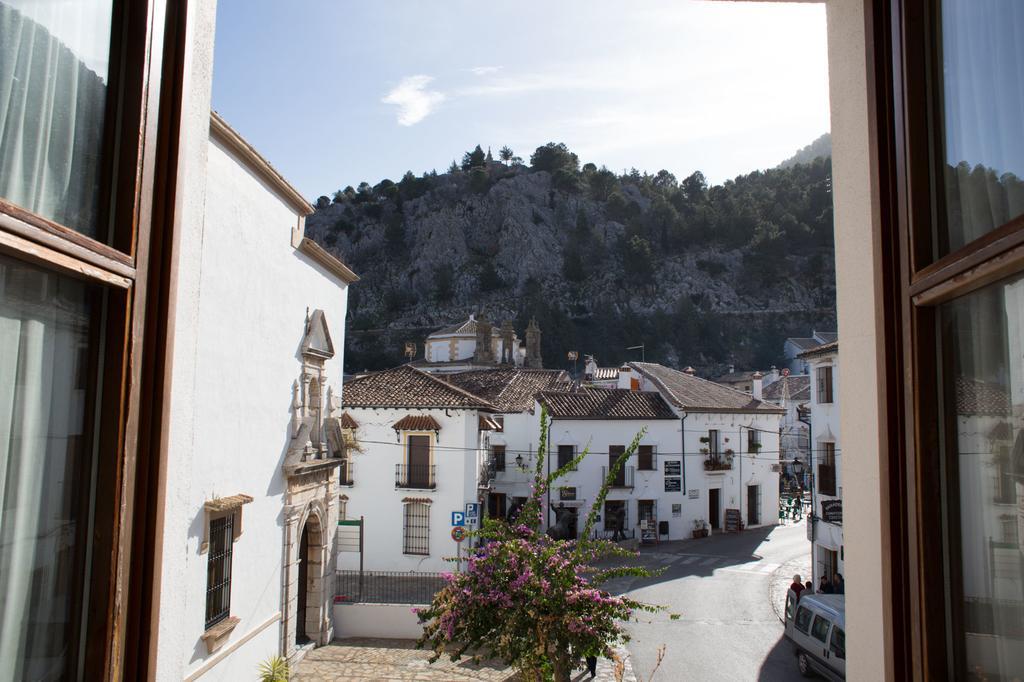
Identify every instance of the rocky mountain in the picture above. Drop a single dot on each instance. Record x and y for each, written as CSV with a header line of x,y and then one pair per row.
x,y
699,275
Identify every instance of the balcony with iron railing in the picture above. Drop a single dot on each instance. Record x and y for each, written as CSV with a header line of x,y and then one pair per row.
x,y
623,478
826,479
416,476
717,464
509,468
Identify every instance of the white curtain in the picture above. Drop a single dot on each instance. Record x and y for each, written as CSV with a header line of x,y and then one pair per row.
x,y
983,80
52,107
43,323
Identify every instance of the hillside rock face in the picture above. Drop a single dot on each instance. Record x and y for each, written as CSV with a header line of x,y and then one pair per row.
x,y
700,276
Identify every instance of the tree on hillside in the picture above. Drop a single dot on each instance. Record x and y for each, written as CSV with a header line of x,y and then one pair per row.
x,y
602,184
552,157
322,202
473,159
637,260
505,154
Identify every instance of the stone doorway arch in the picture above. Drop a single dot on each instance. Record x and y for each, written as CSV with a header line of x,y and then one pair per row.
x,y
308,582
309,592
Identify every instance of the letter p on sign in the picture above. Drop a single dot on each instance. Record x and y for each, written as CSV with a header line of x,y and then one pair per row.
x,y
458,518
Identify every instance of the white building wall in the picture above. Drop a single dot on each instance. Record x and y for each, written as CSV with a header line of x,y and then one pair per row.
x,y
748,469
230,399
521,436
599,435
374,496
825,427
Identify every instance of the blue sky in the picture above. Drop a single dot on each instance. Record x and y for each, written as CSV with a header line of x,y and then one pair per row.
x,y
333,93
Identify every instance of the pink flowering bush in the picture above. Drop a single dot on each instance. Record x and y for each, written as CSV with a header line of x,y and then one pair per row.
x,y
532,601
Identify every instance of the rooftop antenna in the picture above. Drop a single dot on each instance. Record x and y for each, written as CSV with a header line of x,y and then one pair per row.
x,y
643,351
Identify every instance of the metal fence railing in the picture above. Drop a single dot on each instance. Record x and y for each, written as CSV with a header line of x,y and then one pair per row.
x,y
387,587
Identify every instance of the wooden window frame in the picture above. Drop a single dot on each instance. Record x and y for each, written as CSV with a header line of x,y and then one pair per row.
x,y
559,458
646,454
826,386
921,617
140,146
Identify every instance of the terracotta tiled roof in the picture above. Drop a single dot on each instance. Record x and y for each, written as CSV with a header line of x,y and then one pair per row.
x,y
347,422
823,349
510,390
974,397
222,504
700,395
799,386
407,386
464,328
416,422
606,403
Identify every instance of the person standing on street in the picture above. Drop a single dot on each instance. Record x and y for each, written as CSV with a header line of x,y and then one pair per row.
x,y
809,587
838,584
825,587
797,586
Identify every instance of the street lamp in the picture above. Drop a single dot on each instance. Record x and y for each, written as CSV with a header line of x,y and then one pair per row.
x,y
519,460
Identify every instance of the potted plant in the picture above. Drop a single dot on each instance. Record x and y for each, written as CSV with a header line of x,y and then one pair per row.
x,y
700,528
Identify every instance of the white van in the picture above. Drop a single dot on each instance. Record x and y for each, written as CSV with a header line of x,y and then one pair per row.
x,y
816,624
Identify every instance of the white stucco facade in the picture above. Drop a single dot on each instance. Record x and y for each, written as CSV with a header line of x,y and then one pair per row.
x,y
244,295
597,436
828,552
379,493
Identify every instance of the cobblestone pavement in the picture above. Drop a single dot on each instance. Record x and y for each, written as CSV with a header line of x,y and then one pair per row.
x,y
781,578
364,659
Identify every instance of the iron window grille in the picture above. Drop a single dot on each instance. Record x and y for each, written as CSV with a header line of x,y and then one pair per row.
x,y
218,569
498,457
416,535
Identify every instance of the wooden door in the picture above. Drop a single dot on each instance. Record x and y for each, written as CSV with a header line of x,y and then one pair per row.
x,y
713,504
300,610
418,472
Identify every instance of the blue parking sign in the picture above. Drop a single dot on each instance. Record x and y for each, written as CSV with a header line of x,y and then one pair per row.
x,y
458,518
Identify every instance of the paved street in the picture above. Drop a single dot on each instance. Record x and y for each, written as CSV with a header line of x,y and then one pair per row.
x,y
722,587
729,590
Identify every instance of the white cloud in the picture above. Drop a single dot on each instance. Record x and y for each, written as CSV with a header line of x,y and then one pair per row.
x,y
485,70
413,100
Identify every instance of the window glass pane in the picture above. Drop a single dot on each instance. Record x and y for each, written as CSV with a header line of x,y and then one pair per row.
x,y
983,108
54,59
46,464
983,334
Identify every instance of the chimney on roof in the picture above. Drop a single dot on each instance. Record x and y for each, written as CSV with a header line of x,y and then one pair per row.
x,y
508,335
690,370
757,385
533,359
732,369
773,376
484,352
